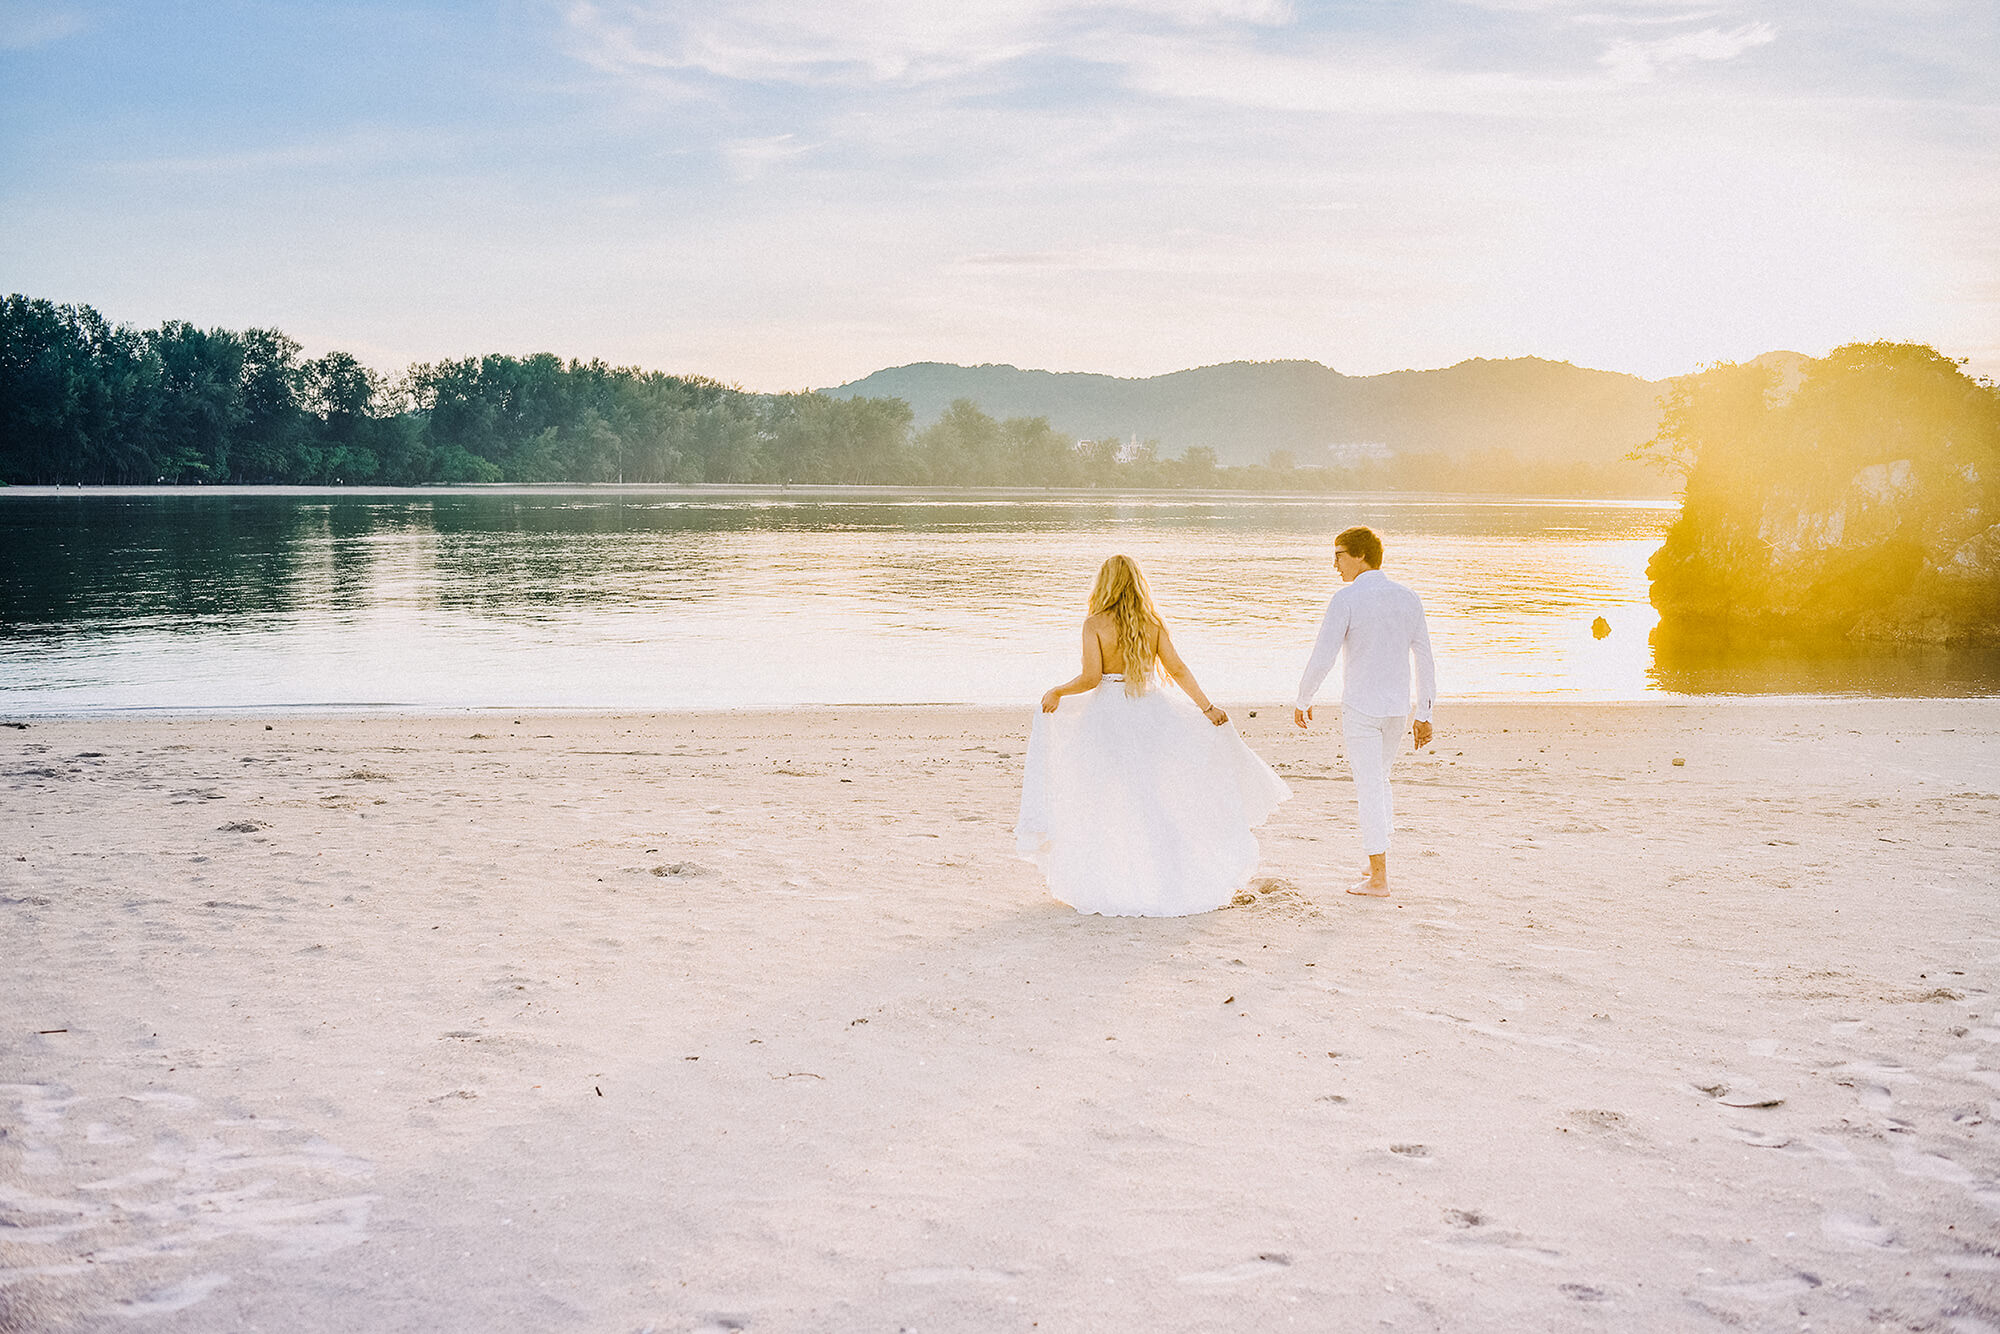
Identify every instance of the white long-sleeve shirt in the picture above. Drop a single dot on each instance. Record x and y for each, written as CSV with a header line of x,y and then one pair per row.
x,y
1376,626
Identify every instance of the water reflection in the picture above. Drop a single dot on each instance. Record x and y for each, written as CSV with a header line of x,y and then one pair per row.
x,y
1706,661
660,598
70,562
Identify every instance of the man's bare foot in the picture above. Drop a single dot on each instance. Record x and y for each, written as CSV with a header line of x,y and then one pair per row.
x,y
1374,885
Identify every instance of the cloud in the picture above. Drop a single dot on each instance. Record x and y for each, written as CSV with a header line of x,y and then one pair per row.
x,y
769,41
1622,11
1602,20
1248,54
749,159
25,26
1322,78
863,43
1630,61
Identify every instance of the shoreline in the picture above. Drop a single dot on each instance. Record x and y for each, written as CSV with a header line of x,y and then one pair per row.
x,y
1681,1017
838,490
417,712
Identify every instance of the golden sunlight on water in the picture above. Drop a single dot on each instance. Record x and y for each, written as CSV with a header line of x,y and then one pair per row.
x,y
647,600
650,599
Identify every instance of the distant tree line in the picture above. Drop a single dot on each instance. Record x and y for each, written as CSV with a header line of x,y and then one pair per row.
x,y
85,401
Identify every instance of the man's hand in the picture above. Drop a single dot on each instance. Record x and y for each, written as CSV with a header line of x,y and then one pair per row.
x,y
1422,731
1300,717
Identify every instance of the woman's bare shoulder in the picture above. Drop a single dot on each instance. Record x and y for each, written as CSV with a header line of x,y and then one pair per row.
x,y
1101,621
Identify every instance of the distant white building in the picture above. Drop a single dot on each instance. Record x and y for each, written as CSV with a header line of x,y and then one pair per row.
x,y
1135,448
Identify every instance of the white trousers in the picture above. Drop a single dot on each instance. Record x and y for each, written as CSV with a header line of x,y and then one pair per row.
x,y
1372,744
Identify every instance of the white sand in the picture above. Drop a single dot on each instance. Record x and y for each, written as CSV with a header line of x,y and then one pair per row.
x,y
754,1022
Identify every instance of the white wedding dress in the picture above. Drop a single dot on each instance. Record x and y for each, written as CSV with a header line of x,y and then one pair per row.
x,y
1141,807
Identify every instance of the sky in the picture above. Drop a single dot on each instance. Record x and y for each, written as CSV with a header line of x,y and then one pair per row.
x,y
786,194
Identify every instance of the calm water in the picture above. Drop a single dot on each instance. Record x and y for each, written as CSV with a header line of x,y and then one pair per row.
x,y
649,598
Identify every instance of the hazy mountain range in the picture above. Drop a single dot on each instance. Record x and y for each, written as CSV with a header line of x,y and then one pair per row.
x,y
1244,410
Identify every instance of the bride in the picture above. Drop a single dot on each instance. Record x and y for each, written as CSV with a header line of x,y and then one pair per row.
x,y
1132,805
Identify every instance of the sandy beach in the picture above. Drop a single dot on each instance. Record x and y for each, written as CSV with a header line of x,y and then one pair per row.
x,y
753,1021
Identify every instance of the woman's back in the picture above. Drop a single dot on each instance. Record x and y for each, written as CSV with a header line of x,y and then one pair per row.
x,y
1112,657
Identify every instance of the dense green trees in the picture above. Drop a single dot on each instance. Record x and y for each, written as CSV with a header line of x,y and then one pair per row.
x,y
85,401
82,400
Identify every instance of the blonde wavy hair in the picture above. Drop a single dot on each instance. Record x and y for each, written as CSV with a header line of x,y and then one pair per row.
x,y
1122,594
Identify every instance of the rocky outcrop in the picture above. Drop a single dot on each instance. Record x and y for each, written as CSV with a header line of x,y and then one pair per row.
x,y
1866,505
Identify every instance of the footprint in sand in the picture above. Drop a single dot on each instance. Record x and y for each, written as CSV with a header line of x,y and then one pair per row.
x,y
1275,894
1760,1139
1857,1230
1769,1289
160,1179
1875,1071
1831,1149
1733,1092
1474,1231
1597,1118
1583,1292
1917,1163
177,1297
1482,1236
1262,1267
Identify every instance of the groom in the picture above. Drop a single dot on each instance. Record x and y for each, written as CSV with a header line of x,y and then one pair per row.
x,y
1378,626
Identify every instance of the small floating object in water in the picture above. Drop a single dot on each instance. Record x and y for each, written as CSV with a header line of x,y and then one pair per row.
x,y
1600,628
